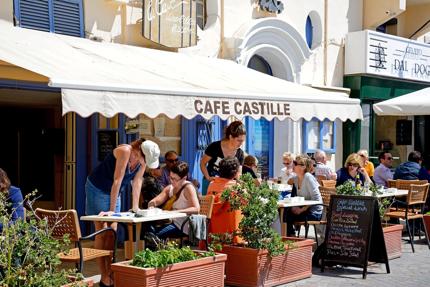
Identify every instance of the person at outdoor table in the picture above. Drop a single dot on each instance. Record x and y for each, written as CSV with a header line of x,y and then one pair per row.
x,y
181,196
125,165
412,169
368,165
383,172
353,168
322,169
287,171
223,220
229,146
162,174
250,166
305,185
13,197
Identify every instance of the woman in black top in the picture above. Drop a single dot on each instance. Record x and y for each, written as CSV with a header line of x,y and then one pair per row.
x,y
229,146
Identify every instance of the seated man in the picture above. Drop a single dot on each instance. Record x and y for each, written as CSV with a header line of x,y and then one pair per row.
x,y
383,172
412,169
322,168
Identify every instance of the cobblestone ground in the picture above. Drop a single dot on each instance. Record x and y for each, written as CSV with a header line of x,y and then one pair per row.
x,y
411,269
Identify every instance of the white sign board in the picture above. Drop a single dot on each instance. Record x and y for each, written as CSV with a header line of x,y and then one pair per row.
x,y
369,52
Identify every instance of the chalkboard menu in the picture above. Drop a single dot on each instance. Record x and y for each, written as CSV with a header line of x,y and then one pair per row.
x,y
107,141
404,132
354,233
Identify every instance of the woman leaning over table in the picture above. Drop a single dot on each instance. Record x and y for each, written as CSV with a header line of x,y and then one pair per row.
x,y
125,165
306,185
228,147
181,196
353,168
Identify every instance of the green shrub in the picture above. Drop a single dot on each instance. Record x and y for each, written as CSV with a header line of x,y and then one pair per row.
x,y
28,252
166,255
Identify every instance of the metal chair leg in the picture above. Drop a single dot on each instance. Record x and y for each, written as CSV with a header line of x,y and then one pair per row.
x,y
410,236
316,234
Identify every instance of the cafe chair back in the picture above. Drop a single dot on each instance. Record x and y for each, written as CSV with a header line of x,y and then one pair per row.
x,y
326,193
206,207
320,178
65,222
328,183
415,201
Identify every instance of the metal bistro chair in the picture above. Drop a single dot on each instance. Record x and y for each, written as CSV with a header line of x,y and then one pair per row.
x,y
414,206
326,193
65,222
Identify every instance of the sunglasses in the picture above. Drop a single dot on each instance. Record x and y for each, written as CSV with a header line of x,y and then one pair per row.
x,y
286,163
296,163
389,158
172,160
353,164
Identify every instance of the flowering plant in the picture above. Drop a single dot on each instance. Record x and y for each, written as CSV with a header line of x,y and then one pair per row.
x,y
259,208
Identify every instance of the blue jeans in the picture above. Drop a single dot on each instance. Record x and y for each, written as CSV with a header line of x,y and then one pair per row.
x,y
98,200
290,218
169,230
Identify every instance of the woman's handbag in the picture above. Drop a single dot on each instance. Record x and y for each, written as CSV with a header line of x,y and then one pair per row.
x,y
168,205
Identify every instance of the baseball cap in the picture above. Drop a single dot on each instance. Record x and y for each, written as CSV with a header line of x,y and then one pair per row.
x,y
152,152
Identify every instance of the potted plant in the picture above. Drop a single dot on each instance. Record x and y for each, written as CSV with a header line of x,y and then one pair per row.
x,y
264,258
171,266
392,232
28,252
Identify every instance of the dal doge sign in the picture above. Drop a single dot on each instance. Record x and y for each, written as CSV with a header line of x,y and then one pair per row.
x,y
171,23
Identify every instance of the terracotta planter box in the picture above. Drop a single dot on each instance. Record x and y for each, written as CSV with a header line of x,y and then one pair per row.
x,y
207,271
252,267
426,219
81,283
393,239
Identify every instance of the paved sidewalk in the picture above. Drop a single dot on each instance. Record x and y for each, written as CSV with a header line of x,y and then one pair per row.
x,y
411,269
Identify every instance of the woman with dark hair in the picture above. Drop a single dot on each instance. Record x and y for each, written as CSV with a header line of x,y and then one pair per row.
x,y
180,195
223,220
229,146
306,185
13,197
125,165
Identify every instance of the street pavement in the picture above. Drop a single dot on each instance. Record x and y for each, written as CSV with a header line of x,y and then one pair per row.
x,y
411,269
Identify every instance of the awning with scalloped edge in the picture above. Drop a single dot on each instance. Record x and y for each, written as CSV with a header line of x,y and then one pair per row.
x,y
110,78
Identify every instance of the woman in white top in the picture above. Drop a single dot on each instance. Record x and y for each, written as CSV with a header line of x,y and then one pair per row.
x,y
180,196
306,185
287,171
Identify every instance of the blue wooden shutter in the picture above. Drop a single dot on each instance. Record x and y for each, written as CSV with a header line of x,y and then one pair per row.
x,y
33,14
68,17
58,16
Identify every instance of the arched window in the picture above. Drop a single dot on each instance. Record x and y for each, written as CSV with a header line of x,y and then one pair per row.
x,y
259,64
309,32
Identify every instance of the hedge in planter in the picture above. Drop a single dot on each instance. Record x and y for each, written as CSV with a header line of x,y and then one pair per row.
x,y
265,259
171,266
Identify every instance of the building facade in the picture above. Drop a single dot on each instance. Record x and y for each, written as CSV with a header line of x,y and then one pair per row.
x,y
298,41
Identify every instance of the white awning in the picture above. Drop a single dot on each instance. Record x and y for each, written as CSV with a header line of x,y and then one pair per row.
x,y
412,104
112,78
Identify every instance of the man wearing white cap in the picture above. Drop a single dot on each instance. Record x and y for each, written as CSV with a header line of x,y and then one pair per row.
x,y
127,163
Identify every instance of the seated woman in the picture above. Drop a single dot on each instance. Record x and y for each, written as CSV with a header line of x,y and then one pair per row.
x,y
306,185
223,220
353,171
180,196
250,165
13,197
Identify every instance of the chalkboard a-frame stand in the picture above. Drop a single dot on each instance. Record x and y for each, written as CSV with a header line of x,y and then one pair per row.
x,y
354,233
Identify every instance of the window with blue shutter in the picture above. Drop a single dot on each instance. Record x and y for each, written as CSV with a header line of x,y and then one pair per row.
x,y
319,135
57,16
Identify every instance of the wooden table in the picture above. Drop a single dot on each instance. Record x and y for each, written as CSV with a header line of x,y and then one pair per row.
x,y
283,204
131,220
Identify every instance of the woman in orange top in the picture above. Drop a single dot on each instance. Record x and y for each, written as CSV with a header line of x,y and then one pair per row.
x,y
223,220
